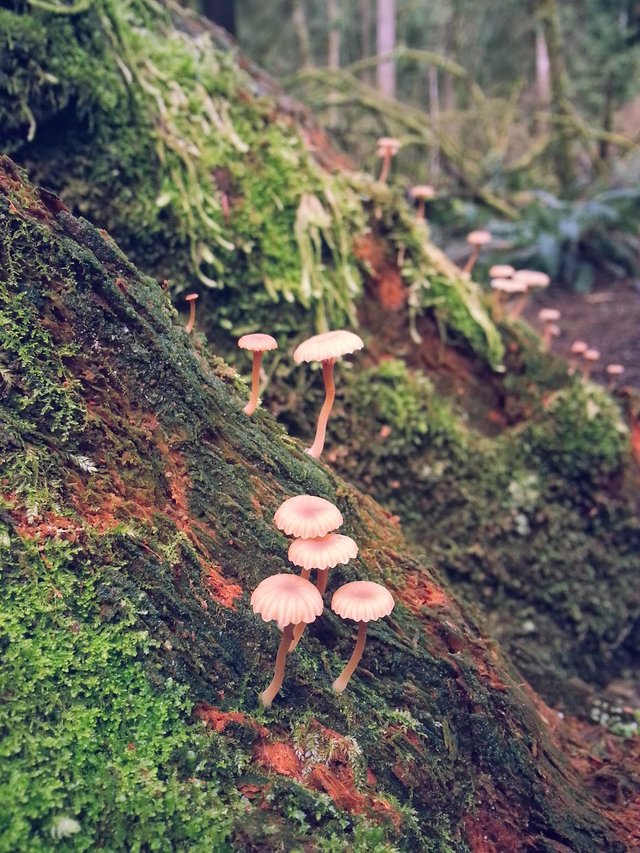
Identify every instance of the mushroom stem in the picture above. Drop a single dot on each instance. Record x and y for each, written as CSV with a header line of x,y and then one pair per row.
x,y
298,631
343,679
547,337
267,696
586,369
330,392
321,580
421,209
471,262
192,317
384,172
255,384
519,306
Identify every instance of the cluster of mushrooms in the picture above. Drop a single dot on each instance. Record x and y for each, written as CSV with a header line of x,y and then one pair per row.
x,y
293,602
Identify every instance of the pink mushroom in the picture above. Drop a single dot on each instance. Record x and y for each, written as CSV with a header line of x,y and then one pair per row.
x,y
326,348
532,278
476,239
590,357
307,516
502,288
289,600
548,317
614,372
364,602
422,193
501,271
191,299
257,344
388,147
577,349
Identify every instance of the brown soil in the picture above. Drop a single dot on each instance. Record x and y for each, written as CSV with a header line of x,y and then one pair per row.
x,y
608,319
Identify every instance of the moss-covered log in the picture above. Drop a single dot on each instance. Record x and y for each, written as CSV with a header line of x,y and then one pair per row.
x,y
135,518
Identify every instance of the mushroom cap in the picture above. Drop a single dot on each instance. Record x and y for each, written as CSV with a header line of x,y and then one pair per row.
x,y
501,271
362,601
191,297
307,516
287,599
326,346
479,238
615,369
257,342
508,285
533,278
579,347
424,191
388,145
549,315
592,354
322,552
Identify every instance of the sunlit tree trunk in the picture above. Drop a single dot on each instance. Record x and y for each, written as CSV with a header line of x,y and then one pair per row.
x,y
385,43
549,19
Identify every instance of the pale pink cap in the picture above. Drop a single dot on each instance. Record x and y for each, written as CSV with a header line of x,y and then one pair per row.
x,y
549,315
307,516
592,355
326,346
288,600
322,552
424,191
533,278
579,347
362,601
508,285
388,144
615,369
501,271
257,342
479,238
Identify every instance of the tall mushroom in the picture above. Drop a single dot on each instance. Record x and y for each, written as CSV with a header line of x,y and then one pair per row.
x,y
326,348
191,299
388,147
364,602
532,278
307,516
502,288
548,317
501,271
590,357
614,372
257,344
321,553
422,193
577,349
476,239
289,600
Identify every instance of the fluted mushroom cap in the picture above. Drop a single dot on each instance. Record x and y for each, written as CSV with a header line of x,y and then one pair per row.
x,y
501,271
479,238
532,278
508,285
362,601
549,315
592,355
257,342
422,191
328,345
579,347
307,516
322,552
191,297
287,599
388,144
615,369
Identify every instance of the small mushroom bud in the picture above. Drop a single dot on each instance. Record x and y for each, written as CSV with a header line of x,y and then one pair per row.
x,y
364,602
549,316
191,299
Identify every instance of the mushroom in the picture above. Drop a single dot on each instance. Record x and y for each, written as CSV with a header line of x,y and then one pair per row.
x,y
577,349
548,317
322,553
502,289
191,299
388,147
532,278
307,516
590,357
289,600
476,239
362,601
614,372
501,271
421,194
326,348
257,344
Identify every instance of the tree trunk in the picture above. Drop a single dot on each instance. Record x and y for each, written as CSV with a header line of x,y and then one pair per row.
x,y
299,18
452,50
386,43
563,129
364,7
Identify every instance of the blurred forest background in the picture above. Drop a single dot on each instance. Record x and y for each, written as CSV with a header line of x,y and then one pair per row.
x,y
525,116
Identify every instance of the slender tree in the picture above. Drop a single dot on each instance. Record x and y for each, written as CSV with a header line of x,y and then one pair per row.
x,y
385,43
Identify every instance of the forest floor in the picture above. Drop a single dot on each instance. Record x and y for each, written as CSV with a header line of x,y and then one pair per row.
x,y
608,319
